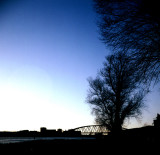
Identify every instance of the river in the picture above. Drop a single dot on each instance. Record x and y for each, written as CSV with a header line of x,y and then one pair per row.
x,y
7,140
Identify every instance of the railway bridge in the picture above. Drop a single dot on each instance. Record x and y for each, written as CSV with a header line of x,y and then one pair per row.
x,y
92,130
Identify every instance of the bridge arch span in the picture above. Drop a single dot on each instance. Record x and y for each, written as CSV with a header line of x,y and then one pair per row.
x,y
92,130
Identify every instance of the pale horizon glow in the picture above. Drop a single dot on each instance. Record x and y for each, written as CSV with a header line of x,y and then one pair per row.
x,y
48,49
35,105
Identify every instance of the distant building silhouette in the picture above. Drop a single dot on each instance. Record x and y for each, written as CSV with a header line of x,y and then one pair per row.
x,y
43,129
46,132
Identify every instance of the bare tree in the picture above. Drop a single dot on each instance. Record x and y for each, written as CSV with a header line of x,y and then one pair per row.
x,y
115,95
133,26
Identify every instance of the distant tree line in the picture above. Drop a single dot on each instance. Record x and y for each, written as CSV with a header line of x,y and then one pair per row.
x,y
131,28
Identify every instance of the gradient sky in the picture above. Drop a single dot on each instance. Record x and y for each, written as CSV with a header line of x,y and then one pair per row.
x,y
48,49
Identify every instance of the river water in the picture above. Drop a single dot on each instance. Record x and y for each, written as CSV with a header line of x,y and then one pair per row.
x,y
7,140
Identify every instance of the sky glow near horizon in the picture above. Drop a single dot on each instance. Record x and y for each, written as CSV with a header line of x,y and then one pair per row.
x,y
48,49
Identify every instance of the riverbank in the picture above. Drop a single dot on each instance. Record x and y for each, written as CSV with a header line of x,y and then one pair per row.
x,y
107,145
58,146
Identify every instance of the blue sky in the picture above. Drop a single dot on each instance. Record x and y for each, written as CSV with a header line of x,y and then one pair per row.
x,y
48,49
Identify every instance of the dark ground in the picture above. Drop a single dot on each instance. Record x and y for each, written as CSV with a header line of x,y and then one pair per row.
x,y
108,145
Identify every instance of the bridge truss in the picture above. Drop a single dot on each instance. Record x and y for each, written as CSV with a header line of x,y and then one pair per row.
x,y
92,130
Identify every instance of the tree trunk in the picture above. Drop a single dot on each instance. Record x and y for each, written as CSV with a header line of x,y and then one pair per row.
x,y
117,126
117,129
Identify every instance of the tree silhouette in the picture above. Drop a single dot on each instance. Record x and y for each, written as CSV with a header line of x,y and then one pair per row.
x,y
133,26
114,94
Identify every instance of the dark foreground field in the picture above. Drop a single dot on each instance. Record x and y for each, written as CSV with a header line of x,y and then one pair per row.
x,y
106,145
